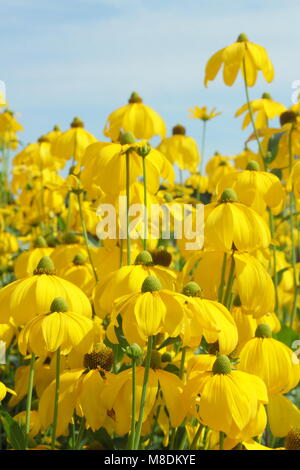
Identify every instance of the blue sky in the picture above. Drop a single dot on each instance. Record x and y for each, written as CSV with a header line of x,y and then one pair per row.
x,y
63,58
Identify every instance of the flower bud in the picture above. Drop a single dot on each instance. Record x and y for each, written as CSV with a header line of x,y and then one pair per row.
x,y
228,195
127,138
59,305
45,266
135,98
151,284
144,258
40,242
242,37
221,365
192,289
263,331
253,166
134,351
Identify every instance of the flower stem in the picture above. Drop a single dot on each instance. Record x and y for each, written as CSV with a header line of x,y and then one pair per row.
x,y
230,280
145,204
133,406
182,361
196,437
292,227
221,441
271,218
203,145
29,396
84,231
144,391
127,206
251,114
80,434
222,282
56,398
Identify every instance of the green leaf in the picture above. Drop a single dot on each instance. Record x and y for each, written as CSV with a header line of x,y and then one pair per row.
x,y
13,431
273,146
286,335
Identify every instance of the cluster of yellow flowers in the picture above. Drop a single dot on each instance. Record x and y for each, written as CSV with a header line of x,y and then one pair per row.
x,y
134,342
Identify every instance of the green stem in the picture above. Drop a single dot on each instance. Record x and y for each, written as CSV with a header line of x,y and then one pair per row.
x,y
80,434
182,361
144,391
56,399
222,282
86,236
221,441
292,227
145,204
229,283
251,115
272,230
196,437
127,207
68,221
133,406
203,146
29,396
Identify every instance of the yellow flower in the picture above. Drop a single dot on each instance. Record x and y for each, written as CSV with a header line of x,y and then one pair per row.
x,y
59,328
80,390
137,118
116,396
37,292
4,390
129,279
230,400
264,108
151,311
27,261
254,285
283,415
35,424
181,149
80,273
111,160
72,143
255,188
270,360
203,113
229,224
239,55
209,318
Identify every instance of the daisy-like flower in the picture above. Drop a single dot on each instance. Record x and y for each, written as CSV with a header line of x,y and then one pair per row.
x,y
181,149
58,329
137,118
240,56
264,109
72,143
146,313
255,188
36,292
110,160
203,114
129,279
230,400
116,396
228,224
272,361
